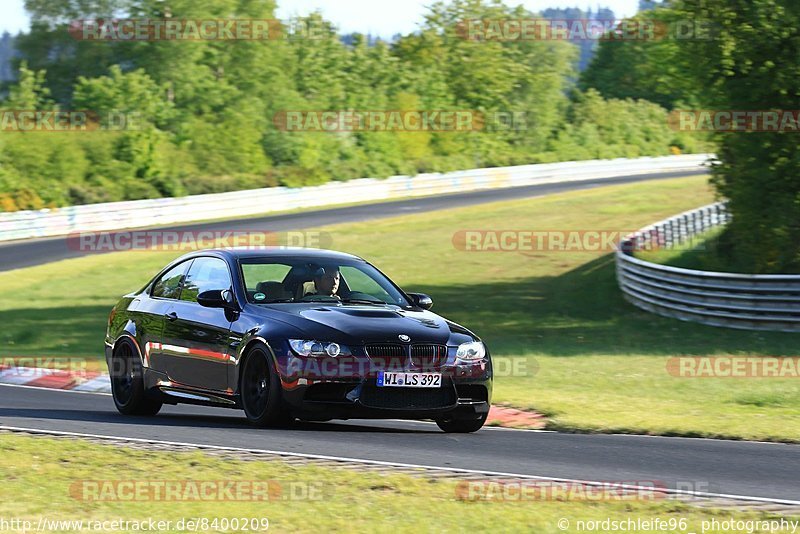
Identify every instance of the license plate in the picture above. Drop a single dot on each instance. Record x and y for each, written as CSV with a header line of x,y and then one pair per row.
x,y
409,380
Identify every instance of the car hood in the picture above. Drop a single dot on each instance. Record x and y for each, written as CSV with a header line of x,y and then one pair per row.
x,y
356,324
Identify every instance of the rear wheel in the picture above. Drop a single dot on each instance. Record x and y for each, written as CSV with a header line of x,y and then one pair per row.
x,y
462,426
127,383
261,392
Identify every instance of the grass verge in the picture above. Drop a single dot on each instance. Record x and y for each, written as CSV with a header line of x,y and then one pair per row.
x,y
72,480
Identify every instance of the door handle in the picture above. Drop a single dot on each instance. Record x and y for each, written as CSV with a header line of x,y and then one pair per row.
x,y
171,316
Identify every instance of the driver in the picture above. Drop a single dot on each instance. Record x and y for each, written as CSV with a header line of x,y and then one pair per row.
x,y
326,282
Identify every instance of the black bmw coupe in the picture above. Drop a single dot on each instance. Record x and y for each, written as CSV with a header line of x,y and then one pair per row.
x,y
287,334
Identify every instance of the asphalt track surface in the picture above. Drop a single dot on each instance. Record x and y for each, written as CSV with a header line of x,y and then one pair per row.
x,y
767,470
764,470
27,253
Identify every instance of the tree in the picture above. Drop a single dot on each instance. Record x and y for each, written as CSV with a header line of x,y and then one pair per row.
x,y
29,93
647,69
133,95
753,63
202,112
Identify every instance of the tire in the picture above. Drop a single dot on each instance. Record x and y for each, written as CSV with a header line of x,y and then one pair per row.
x,y
261,392
127,382
462,426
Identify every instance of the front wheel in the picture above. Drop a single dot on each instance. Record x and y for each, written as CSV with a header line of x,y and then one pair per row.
x,y
127,383
462,426
260,387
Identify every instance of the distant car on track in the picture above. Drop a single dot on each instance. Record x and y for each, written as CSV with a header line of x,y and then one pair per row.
x,y
293,333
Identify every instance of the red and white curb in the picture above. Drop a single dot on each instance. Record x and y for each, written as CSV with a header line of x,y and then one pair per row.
x,y
513,418
86,381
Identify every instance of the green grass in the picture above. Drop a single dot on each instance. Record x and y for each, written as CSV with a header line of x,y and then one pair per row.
x,y
635,394
592,361
702,253
40,477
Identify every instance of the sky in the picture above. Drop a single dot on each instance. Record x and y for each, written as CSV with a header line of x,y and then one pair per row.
x,y
378,17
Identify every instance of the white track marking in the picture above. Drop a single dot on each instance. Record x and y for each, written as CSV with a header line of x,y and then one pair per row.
x,y
398,465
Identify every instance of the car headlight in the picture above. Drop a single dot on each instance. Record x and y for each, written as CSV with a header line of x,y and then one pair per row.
x,y
474,350
318,349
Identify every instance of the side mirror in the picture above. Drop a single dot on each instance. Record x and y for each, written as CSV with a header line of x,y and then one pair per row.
x,y
421,300
217,298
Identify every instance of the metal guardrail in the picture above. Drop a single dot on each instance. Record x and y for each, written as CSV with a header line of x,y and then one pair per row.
x,y
238,204
744,301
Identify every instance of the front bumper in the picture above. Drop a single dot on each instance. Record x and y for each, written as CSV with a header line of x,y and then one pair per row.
x,y
466,391
344,388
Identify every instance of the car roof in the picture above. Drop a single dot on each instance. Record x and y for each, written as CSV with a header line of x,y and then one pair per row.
x,y
279,252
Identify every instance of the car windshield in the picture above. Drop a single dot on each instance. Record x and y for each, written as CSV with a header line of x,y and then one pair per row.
x,y
284,280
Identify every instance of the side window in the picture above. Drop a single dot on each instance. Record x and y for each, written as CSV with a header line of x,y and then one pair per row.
x,y
169,285
206,274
